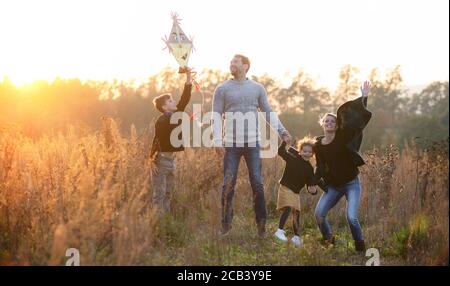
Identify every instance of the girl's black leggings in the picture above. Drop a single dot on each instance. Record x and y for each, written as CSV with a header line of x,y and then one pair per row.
x,y
295,216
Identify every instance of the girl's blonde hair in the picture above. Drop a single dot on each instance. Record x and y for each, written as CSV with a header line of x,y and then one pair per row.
x,y
305,141
322,119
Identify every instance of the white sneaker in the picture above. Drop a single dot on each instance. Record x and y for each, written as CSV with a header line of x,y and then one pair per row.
x,y
297,241
280,234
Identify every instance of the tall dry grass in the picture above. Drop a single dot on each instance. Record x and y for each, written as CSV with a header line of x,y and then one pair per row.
x,y
91,191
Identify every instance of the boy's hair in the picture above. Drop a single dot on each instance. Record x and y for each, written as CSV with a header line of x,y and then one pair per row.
x,y
160,100
245,60
305,141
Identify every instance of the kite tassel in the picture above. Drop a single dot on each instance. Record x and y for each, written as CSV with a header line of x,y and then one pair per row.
x,y
194,116
175,18
166,41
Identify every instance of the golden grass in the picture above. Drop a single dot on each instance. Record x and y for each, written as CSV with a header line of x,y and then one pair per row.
x,y
91,191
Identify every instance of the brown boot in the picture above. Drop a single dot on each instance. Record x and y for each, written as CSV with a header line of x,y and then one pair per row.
x,y
360,245
226,228
329,241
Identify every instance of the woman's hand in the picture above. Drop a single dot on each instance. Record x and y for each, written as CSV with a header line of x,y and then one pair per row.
x,y
365,88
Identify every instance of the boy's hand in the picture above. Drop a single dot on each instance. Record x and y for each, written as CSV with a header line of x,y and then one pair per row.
x,y
152,164
188,75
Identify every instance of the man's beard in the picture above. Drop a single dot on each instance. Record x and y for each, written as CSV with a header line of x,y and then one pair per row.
x,y
234,72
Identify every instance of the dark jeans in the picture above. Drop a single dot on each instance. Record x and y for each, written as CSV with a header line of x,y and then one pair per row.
x,y
230,169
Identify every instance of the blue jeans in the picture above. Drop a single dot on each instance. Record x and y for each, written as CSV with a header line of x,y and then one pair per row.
x,y
352,193
231,161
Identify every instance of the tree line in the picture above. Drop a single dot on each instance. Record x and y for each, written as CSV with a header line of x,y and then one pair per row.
x,y
399,115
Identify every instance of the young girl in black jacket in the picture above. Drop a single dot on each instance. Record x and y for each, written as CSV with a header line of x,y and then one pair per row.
x,y
298,175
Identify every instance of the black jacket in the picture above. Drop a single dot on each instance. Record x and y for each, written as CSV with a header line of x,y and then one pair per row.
x,y
163,128
297,172
352,118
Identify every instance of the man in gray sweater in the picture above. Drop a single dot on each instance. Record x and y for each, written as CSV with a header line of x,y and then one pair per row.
x,y
237,102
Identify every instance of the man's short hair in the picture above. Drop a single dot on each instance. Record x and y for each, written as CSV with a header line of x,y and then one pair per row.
x,y
160,100
245,60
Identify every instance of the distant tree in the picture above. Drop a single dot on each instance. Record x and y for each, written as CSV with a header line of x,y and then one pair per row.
x,y
431,100
348,87
386,101
428,116
272,87
302,96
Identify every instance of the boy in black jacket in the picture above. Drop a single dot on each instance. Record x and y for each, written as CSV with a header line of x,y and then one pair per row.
x,y
162,151
297,173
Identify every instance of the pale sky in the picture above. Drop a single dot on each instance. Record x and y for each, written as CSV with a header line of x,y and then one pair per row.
x,y
122,39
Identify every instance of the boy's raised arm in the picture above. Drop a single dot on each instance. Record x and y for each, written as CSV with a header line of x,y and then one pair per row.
x,y
186,96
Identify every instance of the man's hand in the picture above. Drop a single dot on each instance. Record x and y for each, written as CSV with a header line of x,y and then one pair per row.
x,y
286,137
365,88
218,147
219,150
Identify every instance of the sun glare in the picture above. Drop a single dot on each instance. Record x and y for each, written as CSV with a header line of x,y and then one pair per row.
x,y
122,39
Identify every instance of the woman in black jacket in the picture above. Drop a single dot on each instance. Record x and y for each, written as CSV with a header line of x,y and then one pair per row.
x,y
338,159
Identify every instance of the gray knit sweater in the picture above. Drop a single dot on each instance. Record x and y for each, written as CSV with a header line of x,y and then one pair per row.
x,y
239,102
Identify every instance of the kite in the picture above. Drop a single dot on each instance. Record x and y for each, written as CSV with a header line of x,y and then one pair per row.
x,y
179,45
